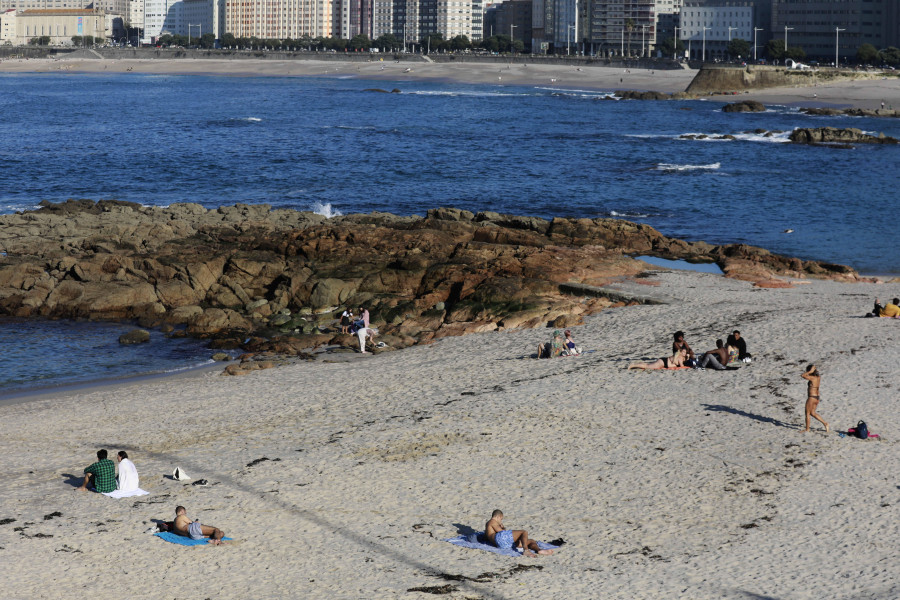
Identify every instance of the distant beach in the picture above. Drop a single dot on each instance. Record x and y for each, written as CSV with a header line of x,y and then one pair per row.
x,y
663,484
858,94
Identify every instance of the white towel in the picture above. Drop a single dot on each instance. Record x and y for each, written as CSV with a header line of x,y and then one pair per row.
x,y
128,481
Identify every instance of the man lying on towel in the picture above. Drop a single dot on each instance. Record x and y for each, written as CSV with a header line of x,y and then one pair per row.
x,y
509,538
182,525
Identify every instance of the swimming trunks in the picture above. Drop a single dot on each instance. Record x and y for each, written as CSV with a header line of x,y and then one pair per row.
x,y
503,539
195,531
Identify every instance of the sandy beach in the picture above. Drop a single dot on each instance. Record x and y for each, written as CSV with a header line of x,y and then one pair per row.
x,y
859,94
667,484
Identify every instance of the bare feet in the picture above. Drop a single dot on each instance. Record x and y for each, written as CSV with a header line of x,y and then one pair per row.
x,y
547,551
215,542
81,489
827,428
805,431
527,552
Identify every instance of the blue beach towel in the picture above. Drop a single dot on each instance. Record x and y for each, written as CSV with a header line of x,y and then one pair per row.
x,y
479,542
181,540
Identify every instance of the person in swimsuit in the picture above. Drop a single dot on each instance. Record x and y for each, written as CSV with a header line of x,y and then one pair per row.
x,y
679,344
663,363
510,538
811,375
193,529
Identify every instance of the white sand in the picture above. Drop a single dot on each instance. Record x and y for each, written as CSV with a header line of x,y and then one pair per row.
x,y
651,477
861,94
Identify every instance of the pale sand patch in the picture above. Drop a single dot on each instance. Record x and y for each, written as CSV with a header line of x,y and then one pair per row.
x,y
678,484
860,94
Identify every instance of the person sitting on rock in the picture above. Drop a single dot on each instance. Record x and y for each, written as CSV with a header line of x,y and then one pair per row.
x,y
506,539
673,362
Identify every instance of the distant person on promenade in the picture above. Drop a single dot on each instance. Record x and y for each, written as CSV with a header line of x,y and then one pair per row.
x,y
193,529
677,360
510,538
892,309
811,375
680,344
101,475
716,359
738,342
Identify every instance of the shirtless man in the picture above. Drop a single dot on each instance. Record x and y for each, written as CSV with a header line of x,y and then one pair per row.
x,y
717,359
508,538
812,401
193,529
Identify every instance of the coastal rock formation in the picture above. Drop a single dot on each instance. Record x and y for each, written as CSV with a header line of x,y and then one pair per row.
x,y
245,270
833,135
744,106
852,112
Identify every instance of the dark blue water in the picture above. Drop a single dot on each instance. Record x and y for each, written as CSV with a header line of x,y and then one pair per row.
x,y
326,144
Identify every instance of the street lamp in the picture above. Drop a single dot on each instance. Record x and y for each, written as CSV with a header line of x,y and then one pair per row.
x,y
704,42
643,30
511,38
730,29
675,51
837,30
199,33
786,29
568,37
755,29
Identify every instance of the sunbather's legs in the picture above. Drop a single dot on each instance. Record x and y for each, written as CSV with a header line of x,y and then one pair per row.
x,y
214,533
657,364
529,547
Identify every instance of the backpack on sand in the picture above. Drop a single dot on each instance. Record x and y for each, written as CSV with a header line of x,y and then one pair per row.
x,y
862,430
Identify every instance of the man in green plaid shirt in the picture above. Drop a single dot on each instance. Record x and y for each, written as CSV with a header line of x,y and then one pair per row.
x,y
102,474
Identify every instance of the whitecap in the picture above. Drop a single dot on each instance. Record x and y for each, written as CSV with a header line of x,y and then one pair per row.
x,y
674,167
627,214
326,210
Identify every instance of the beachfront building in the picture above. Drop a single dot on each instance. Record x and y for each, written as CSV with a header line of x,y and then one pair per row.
x,y
707,27
513,17
281,19
202,16
8,27
813,25
60,25
355,18
623,27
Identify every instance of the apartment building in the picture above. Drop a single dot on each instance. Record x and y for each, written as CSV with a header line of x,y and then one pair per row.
x,y
623,27
512,17
821,26
281,19
708,27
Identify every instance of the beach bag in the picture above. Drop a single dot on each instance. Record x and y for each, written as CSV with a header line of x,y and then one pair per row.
x,y
862,430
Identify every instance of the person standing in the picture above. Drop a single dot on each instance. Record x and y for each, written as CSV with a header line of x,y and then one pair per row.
x,y
365,333
811,375
101,474
346,320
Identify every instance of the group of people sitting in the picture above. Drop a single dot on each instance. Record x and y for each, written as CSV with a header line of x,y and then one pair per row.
x,y
101,477
563,344
891,309
732,350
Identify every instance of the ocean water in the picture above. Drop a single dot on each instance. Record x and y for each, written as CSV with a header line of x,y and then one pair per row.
x,y
329,145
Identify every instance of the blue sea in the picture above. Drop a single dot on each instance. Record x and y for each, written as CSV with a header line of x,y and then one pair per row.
x,y
327,144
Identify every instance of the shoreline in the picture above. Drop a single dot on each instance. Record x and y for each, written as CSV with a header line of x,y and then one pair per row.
x,y
867,94
684,483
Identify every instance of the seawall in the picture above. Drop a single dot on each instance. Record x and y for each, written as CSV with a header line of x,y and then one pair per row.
x,y
726,78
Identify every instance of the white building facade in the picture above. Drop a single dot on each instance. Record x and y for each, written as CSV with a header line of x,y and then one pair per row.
x,y
707,29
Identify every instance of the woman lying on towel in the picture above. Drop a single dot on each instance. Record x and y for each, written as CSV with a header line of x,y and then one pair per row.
x,y
665,362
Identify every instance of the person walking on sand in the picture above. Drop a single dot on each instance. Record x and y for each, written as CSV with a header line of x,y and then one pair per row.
x,y
811,375
663,363
506,539
193,529
101,474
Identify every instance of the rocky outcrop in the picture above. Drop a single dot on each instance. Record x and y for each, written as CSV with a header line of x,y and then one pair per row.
x,y
852,112
727,79
832,135
744,106
242,270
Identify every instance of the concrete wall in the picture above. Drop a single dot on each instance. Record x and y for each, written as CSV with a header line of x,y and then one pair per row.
x,y
715,78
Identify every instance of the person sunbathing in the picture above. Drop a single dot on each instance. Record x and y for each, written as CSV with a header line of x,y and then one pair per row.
x,y
510,538
663,363
193,529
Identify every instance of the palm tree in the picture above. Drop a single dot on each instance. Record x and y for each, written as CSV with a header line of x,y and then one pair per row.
x,y
629,27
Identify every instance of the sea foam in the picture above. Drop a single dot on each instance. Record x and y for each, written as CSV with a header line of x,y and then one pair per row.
x,y
326,210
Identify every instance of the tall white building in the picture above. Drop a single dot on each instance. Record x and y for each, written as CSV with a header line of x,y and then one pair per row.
x,y
713,26
160,17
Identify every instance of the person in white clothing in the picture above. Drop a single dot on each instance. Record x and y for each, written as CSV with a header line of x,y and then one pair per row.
x,y
365,333
128,475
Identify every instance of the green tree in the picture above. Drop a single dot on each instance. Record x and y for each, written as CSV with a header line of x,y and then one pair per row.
x,y
432,42
797,53
890,55
668,47
867,53
43,40
775,50
460,42
387,42
738,48
360,42
228,40
629,27
179,40
208,40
